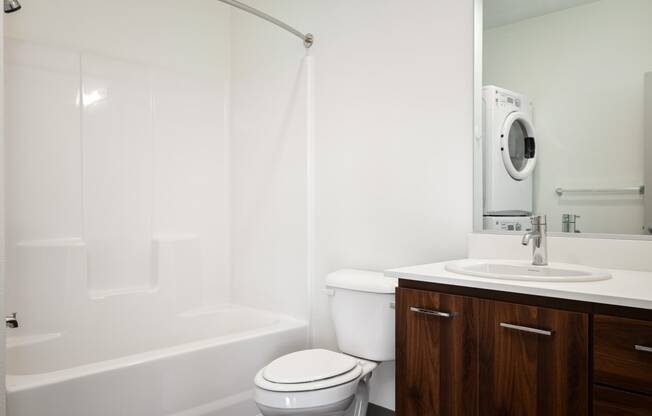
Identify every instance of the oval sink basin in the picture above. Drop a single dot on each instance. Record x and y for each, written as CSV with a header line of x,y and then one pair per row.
x,y
523,270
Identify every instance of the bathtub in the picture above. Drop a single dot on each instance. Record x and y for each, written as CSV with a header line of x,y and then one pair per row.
x,y
199,362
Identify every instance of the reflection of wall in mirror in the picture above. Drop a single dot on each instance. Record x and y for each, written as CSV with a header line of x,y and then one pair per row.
x,y
648,151
582,69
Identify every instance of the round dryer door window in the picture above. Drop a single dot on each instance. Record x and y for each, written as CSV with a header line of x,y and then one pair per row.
x,y
518,146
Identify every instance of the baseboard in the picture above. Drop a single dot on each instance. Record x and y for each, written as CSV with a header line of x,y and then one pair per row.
x,y
375,410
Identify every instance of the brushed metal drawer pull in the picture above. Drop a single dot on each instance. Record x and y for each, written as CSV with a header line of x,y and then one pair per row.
x,y
430,312
526,329
642,348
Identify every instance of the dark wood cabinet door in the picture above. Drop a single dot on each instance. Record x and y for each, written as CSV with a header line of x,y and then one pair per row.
x,y
533,361
436,354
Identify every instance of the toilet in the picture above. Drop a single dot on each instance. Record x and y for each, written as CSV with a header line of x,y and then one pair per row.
x,y
328,383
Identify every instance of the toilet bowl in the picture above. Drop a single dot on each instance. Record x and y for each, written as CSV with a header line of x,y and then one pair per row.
x,y
313,382
320,382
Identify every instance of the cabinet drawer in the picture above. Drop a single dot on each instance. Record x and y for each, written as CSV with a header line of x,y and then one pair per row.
x,y
611,402
623,353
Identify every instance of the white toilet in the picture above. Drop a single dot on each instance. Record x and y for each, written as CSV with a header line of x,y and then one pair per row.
x,y
327,383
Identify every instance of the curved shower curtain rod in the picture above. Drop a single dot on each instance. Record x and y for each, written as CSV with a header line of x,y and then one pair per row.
x,y
308,39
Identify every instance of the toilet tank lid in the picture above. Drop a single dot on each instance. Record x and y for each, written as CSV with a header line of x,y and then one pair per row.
x,y
362,281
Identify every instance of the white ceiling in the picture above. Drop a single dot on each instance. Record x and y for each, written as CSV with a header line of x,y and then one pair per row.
x,y
502,12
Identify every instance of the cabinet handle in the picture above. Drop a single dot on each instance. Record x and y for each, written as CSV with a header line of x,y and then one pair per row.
x,y
430,312
642,348
526,329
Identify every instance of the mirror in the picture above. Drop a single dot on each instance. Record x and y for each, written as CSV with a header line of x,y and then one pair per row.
x,y
566,96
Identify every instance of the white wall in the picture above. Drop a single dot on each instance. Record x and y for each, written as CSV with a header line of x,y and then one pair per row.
x,y
393,119
2,227
394,141
268,122
583,70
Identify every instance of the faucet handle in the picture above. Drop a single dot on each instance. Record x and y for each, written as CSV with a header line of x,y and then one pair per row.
x,y
539,220
11,321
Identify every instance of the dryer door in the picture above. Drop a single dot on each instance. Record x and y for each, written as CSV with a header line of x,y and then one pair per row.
x,y
518,146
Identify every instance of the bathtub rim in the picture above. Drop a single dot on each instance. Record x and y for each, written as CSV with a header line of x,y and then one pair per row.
x,y
16,383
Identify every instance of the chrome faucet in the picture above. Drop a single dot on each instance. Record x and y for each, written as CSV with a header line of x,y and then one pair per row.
x,y
539,243
11,321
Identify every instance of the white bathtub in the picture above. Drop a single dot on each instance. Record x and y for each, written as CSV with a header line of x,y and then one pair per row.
x,y
200,362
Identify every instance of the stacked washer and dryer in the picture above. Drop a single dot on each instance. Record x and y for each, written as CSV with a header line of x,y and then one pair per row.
x,y
509,160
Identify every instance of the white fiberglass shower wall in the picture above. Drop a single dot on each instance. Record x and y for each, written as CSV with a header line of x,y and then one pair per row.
x,y
155,197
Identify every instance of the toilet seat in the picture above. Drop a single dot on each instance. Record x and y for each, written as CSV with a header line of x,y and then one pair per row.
x,y
308,370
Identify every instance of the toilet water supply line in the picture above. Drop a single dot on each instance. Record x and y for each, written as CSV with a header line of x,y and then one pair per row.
x,y
308,38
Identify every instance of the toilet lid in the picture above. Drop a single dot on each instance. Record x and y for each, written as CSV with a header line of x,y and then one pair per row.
x,y
308,366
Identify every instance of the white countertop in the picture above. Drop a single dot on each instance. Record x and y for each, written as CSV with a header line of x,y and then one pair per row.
x,y
625,288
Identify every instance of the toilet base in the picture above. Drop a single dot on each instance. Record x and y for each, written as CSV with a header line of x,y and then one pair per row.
x,y
361,397
355,405
342,408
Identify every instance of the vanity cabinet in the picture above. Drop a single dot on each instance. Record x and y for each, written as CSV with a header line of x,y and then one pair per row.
x,y
462,355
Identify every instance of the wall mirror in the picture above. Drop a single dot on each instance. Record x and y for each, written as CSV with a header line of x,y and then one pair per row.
x,y
564,115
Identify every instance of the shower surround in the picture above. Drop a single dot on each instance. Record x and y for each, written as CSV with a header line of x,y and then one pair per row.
x,y
148,183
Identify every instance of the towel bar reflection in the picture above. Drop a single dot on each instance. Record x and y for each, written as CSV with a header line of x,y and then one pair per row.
x,y
625,190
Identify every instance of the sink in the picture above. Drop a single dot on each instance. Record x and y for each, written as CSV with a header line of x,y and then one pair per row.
x,y
525,271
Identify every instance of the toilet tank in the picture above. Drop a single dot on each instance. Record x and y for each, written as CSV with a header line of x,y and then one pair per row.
x,y
362,308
